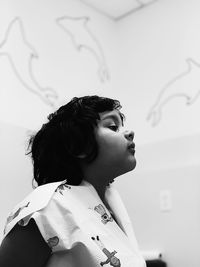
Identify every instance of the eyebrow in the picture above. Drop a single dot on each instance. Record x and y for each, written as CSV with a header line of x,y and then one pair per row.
x,y
115,117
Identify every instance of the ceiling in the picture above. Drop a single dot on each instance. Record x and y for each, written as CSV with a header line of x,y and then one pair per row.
x,y
117,9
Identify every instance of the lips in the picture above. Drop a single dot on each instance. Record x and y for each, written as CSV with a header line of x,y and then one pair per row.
x,y
131,148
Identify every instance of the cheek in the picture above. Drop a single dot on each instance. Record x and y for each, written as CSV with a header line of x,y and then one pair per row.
x,y
111,145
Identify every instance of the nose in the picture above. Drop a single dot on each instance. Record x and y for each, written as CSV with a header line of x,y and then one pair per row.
x,y
129,135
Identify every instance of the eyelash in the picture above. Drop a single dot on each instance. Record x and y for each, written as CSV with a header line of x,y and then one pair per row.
x,y
114,128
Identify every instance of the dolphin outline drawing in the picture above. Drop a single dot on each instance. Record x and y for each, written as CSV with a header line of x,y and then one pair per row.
x,y
24,71
86,40
155,113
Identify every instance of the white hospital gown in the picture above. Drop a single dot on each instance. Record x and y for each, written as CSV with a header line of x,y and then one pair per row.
x,y
78,227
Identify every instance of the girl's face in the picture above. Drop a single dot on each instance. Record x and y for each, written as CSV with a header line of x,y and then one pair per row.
x,y
116,150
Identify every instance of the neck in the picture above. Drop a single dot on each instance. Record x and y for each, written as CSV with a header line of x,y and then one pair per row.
x,y
99,185
99,181
98,176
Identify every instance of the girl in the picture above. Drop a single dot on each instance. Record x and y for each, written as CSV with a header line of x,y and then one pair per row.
x,y
75,217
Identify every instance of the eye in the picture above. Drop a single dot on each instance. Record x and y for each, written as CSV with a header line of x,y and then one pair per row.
x,y
114,128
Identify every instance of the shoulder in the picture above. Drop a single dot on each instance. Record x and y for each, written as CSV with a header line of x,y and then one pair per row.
x,y
26,246
40,210
38,199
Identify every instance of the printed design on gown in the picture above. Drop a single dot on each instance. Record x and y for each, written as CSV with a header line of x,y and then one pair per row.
x,y
62,187
13,215
53,241
105,218
111,259
21,222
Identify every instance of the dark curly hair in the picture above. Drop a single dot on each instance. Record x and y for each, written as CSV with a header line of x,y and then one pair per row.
x,y
69,132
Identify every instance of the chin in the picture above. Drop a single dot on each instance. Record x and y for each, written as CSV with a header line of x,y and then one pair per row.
x,y
133,165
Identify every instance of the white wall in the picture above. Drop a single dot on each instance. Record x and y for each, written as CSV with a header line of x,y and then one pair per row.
x,y
15,170
155,45
46,49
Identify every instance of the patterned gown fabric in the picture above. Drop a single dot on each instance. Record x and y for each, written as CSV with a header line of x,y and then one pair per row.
x,y
78,227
